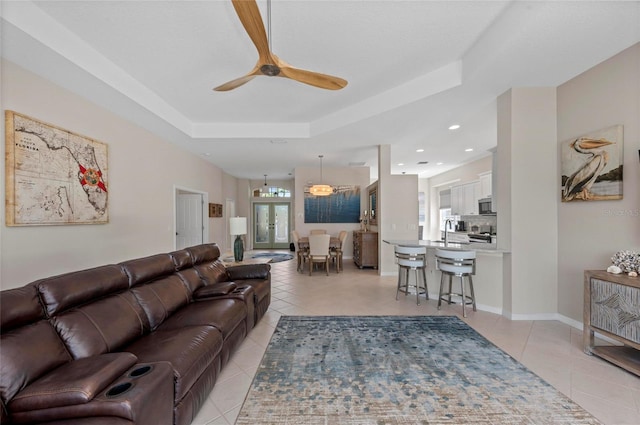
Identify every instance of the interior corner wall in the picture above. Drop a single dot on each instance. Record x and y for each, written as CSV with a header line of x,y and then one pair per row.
x,y
142,172
533,197
590,233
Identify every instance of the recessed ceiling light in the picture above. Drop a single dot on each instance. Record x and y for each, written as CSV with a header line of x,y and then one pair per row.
x,y
439,163
454,127
400,164
469,150
419,150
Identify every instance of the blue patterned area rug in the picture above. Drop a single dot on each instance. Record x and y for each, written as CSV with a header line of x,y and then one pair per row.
x,y
396,370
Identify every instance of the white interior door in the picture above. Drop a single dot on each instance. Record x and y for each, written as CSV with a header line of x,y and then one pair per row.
x,y
189,220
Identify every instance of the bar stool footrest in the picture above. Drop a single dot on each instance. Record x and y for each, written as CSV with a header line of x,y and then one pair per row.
x,y
445,298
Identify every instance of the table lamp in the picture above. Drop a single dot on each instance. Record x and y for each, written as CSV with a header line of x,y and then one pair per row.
x,y
238,227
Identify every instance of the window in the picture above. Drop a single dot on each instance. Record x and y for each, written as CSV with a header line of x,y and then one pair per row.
x,y
445,208
272,192
445,214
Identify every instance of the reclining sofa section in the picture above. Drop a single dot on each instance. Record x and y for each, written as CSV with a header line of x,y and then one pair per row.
x,y
140,342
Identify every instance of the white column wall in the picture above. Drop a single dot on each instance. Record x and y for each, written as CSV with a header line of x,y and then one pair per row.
x,y
398,204
528,196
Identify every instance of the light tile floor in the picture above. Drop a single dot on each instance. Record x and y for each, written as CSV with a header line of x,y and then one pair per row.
x,y
551,349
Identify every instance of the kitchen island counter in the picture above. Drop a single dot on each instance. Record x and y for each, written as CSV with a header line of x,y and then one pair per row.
x,y
488,280
488,248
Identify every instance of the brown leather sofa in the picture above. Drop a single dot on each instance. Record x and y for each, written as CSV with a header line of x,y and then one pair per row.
x,y
140,342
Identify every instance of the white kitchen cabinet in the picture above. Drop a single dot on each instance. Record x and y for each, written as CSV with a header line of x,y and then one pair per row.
x,y
485,185
464,198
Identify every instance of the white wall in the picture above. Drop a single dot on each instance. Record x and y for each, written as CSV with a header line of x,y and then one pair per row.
x,y
532,196
333,176
143,170
398,210
589,233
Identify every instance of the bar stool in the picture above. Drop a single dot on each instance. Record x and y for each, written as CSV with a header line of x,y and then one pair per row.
x,y
461,264
412,258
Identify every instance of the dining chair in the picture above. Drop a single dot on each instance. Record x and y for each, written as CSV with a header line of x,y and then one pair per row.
x,y
319,251
336,252
301,253
317,231
460,264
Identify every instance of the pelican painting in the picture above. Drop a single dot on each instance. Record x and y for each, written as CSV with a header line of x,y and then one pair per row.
x,y
591,166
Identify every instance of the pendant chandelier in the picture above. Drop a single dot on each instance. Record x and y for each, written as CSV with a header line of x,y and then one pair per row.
x,y
321,189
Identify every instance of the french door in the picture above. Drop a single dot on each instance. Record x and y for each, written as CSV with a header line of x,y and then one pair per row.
x,y
271,225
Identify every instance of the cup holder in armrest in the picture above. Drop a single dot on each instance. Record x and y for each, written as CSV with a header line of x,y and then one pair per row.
x,y
119,389
140,371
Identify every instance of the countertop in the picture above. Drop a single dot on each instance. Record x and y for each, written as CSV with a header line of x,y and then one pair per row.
x,y
478,247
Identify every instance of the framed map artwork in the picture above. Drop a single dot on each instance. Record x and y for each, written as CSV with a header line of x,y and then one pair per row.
x,y
53,176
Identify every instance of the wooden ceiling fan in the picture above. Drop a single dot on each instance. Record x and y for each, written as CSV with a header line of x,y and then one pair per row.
x,y
268,63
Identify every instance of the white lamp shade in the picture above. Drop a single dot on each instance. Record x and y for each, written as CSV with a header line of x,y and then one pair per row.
x,y
238,226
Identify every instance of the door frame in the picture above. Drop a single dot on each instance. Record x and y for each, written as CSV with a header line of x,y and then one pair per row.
x,y
205,212
230,211
271,202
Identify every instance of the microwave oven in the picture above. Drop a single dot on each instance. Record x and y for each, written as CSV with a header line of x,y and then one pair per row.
x,y
485,207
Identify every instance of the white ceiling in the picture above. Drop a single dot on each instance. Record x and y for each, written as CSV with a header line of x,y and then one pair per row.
x,y
413,67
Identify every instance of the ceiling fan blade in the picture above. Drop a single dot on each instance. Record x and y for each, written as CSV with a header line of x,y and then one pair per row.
x,y
251,20
315,79
230,85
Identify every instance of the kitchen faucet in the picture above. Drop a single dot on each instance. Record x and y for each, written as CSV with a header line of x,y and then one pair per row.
x,y
446,233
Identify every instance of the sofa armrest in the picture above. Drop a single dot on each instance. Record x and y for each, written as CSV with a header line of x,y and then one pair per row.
x,y
73,383
249,271
216,290
142,395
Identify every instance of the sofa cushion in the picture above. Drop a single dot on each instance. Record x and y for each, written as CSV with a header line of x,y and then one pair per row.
x,y
261,287
204,253
181,259
76,382
27,353
29,346
223,314
102,326
222,288
142,270
249,271
212,272
160,298
19,306
191,279
190,350
60,293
